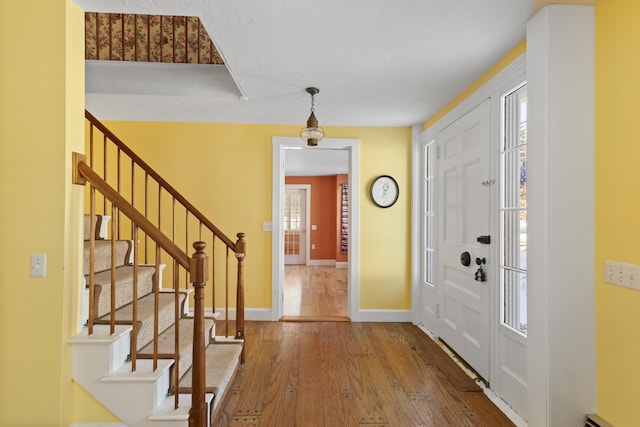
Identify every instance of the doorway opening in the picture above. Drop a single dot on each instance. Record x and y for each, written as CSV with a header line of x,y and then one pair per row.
x,y
325,286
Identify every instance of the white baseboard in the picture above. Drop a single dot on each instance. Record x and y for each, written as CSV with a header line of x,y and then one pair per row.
x,y
331,262
266,315
259,314
98,425
503,406
363,315
342,264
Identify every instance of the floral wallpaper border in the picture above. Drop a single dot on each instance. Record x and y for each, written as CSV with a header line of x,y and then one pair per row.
x,y
148,38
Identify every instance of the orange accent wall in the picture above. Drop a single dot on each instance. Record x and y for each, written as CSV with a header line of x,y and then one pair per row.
x,y
323,214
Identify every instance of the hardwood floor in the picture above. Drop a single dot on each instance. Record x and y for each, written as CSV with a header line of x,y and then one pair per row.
x,y
335,374
315,292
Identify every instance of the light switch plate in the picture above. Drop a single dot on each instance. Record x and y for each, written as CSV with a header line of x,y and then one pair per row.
x,y
38,265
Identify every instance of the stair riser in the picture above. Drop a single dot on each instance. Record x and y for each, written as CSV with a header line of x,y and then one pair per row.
x,y
102,255
166,345
101,352
166,316
124,288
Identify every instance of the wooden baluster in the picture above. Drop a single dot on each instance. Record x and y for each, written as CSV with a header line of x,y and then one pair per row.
x,y
118,184
113,269
133,186
226,295
156,308
186,241
134,323
160,207
91,145
199,272
173,219
213,274
146,215
92,255
104,169
240,254
178,314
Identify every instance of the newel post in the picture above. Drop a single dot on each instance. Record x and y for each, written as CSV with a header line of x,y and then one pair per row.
x,y
240,253
199,267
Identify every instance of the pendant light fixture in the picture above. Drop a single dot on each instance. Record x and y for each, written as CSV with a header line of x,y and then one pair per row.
x,y
312,133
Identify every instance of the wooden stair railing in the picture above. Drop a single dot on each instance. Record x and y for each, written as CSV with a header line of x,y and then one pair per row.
x,y
109,158
196,267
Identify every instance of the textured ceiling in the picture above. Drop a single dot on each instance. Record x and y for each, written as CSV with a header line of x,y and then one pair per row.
x,y
376,62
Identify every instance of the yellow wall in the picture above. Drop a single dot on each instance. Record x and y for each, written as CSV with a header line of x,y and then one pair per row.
x,y
516,52
617,206
225,170
41,102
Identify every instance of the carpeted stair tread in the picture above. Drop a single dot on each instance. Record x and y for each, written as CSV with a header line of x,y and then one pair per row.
x,y
166,343
166,315
124,287
102,255
222,362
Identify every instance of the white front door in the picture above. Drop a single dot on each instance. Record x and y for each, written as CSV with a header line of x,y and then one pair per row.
x,y
463,216
295,225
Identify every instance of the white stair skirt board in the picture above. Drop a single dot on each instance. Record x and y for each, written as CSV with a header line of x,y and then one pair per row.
x,y
138,398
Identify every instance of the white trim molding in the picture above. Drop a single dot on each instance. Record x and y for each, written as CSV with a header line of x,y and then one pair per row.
x,y
322,262
561,356
280,145
258,314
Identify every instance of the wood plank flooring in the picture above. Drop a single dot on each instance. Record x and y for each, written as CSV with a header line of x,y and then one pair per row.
x,y
335,374
315,292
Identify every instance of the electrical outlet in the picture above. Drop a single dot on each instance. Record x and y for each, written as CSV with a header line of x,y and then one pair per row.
x,y
622,274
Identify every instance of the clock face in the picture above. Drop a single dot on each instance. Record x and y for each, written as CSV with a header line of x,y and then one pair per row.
x,y
384,191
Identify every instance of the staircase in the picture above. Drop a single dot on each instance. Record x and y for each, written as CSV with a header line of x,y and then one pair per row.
x,y
147,351
102,361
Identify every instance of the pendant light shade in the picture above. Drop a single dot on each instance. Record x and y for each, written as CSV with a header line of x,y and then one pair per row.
x,y
312,133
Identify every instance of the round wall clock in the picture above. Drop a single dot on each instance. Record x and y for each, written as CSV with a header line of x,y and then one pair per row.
x,y
384,191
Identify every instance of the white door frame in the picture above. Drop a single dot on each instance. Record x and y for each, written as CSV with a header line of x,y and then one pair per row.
x,y
307,215
280,144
